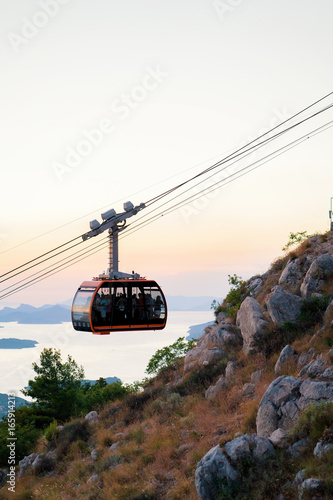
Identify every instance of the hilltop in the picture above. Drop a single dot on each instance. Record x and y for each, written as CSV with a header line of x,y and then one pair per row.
x,y
246,414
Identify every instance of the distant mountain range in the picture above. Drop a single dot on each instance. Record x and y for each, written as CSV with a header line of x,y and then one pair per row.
x,y
4,403
25,314
61,313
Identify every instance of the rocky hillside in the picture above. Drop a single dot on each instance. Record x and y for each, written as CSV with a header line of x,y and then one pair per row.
x,y
248,414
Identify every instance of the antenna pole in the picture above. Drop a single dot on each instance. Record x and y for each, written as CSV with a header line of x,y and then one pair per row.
x,y
331,215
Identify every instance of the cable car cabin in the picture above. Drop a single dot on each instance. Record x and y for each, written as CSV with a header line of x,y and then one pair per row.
x,y
104,306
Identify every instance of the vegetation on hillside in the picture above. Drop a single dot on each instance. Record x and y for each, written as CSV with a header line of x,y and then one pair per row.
x,y
150,437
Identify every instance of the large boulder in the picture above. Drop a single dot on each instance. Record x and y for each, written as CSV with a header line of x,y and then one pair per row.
x,y
217,474
221,385
251,322
287,355
320,271
213,469
285,398
293,274
283,306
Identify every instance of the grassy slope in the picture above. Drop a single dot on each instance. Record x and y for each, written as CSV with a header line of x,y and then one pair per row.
x,y
164,431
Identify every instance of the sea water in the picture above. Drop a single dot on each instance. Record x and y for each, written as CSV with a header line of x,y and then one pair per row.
x,y
122,354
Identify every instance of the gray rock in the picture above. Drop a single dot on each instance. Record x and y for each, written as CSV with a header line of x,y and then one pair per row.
x,y
267,419
210,346
25,464
239,447
93,479
254,285
211,469
121,435
251,322
221,316
299,478
280,438
259,448
215,471
281,391
297,449
230,369
248,390
114,446
314,392
288,413
306,357
315,368
283,306
285,398
322,448
328,316
294,271
94,455
320,270
312,487
92,417
287,355
221,385
256,376
327,374
262,448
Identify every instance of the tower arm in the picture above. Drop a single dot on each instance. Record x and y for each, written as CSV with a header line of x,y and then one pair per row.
x,y
111,219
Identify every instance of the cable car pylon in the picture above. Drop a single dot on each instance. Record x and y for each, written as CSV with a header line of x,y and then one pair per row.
x,y
117,301
114,223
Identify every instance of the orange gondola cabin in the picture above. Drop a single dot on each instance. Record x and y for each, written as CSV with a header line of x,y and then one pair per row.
x,y
117,301
104,305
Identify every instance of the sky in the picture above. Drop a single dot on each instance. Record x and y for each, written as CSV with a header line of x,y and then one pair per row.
x,y
105,102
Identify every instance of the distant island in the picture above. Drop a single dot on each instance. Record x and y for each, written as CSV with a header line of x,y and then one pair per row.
x,y
17,343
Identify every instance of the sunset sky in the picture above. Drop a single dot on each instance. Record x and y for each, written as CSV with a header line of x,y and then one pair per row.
x,y
105,102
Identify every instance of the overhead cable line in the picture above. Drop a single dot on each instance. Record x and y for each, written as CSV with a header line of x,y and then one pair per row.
x,y
235,158
238,155
135,226
232,177
80,252
191,168
47,274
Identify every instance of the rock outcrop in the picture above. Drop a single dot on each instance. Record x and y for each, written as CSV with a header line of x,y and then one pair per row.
x,y
287,355
320,271
283,306
211,345
285,398
251,322
217,471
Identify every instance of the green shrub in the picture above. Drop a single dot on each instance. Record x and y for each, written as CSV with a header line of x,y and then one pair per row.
x,y
235,296
75,431
295,239
314,421
51,433
167,356
312,311
44,465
